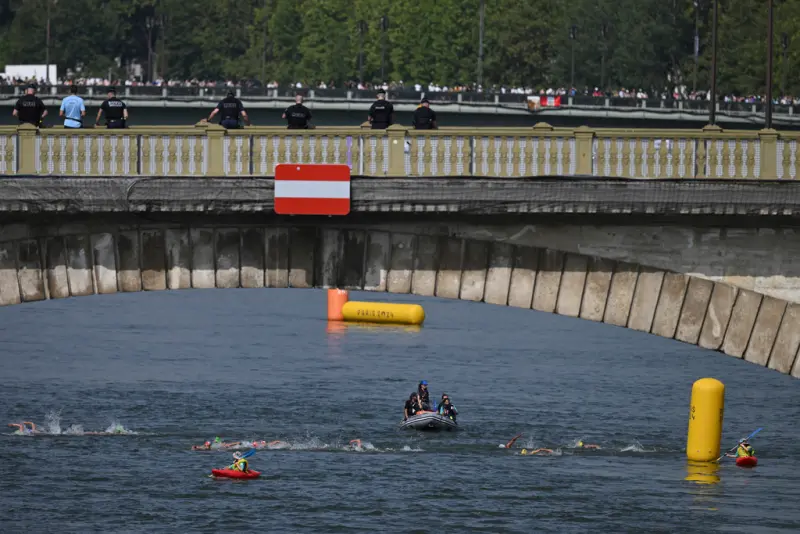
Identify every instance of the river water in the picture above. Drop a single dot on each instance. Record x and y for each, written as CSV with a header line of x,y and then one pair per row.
x,y
177,368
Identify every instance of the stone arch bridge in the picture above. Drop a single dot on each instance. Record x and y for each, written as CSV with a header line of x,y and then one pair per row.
x,y
573,269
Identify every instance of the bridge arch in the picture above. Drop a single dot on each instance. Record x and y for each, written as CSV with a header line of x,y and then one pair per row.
x,y
77,260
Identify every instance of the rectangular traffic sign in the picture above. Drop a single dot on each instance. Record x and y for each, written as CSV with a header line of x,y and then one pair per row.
x,y
312,189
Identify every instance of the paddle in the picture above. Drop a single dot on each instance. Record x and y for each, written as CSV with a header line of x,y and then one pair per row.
x,y
737,445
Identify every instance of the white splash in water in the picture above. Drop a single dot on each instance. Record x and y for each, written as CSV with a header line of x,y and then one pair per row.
x,y
635,447
52,422
117,428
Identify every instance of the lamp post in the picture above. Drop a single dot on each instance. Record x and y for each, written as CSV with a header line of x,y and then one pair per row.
x,y
384,26
785,46
712,110
696,43
481,16
362,29
572,35
47,46
770,53
604,34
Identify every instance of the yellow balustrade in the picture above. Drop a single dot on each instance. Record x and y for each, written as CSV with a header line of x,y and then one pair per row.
x,y
209,150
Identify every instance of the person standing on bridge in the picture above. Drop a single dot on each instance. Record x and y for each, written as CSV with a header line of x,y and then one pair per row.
x,y
229,109
424,117
381,113
73,109
297,116
115,109
30,108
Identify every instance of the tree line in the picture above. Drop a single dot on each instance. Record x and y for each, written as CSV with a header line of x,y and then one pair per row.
x,y
635,44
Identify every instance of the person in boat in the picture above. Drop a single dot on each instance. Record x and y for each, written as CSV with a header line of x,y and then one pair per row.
x,y
447,409
424,396
413,406
239,464
744,450
537,451
587,446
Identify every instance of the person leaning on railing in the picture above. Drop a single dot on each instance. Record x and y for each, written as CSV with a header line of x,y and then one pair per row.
x,y
229,109
30,108
381,113
297,116
115,109
424,117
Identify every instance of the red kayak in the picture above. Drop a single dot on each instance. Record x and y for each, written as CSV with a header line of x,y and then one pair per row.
x,y
231,473
746,461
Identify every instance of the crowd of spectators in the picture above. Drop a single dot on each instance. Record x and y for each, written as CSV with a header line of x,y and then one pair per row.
x,y
626,93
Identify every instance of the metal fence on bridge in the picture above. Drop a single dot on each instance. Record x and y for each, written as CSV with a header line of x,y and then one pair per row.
x,y
209,150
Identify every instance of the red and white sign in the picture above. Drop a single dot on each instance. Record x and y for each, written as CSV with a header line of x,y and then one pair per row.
x,y
312,189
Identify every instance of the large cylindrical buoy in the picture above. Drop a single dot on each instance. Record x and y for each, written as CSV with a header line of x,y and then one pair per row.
x,y
382,312
337,298
705,420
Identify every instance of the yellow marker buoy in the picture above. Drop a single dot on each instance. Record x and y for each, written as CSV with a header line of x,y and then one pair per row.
x,y
382,312
705,420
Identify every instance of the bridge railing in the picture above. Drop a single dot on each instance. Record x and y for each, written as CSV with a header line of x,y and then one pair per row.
x,y
209,150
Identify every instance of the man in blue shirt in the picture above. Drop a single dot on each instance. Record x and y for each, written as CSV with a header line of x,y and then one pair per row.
x,y
72,109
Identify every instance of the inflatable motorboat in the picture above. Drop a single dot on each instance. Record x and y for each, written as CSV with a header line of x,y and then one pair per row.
x,y
429,421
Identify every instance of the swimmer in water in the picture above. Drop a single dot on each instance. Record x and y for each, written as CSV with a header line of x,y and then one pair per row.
x,y
355,443
537,451
511,442
23,429
204,447
587,446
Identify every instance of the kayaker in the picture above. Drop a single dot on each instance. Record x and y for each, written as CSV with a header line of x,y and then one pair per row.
x,y
424,396
412,407
447,409
240,464
744,450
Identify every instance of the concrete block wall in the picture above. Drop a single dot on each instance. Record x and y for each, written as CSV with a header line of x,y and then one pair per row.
x,y
74,260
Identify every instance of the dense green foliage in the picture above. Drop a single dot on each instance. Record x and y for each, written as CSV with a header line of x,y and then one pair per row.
x,y
645,44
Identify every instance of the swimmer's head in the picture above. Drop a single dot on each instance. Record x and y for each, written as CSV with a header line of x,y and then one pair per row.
x,y
580,444
524,451
207,444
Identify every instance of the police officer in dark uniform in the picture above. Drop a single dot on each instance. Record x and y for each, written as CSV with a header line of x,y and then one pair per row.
x,y
381,112
297,116
229,109
30,108
424,117
115,109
